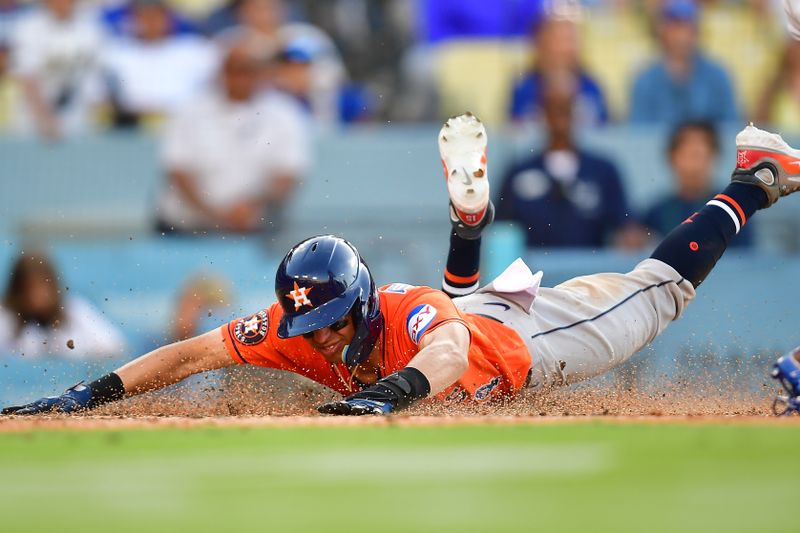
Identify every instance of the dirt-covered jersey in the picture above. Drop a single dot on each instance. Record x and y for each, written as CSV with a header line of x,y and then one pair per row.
x,y
499,361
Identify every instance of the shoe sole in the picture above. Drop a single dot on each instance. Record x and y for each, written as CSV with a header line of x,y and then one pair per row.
x,y
462,148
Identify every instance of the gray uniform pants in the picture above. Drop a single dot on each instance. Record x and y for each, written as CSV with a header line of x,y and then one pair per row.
x,y
590,324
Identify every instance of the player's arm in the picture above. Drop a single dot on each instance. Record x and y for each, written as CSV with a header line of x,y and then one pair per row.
x,y
444,355
159,368
174,362
442,359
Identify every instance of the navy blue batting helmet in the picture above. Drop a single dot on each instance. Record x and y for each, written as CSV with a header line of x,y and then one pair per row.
x,y
319,282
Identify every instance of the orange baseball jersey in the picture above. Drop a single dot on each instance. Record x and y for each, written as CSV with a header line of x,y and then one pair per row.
x,y
499,361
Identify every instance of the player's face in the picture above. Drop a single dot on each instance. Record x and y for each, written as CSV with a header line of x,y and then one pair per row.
x,y
330,341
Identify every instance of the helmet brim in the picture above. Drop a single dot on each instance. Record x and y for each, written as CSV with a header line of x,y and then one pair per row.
x,y
291,325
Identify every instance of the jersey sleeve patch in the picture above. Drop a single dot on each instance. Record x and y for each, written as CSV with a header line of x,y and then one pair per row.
x,y
418,321
397,288
253,329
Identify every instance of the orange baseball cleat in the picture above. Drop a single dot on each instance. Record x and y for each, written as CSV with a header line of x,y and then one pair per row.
x,y
764,159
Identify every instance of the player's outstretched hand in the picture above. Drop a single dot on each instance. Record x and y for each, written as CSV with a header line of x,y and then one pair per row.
x,y
355,407
75,398
391,393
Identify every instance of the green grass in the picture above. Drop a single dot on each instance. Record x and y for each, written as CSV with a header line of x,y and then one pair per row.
x,y
577,477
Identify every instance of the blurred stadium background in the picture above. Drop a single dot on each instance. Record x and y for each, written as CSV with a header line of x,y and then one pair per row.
x,y
371,81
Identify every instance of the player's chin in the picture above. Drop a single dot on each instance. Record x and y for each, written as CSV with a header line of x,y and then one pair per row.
x,y
331,352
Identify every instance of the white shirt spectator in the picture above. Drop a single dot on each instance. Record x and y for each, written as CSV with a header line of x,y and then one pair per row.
x,y
91,334
62,55
328,72
793,17
232,152
158,77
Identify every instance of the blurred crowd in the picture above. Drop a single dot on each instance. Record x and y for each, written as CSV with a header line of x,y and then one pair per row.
x,y
236,91
73,66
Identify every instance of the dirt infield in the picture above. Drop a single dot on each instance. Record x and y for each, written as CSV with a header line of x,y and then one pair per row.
x,y
257,407
254,397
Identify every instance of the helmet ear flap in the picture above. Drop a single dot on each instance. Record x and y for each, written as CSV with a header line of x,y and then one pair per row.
x,y
367,320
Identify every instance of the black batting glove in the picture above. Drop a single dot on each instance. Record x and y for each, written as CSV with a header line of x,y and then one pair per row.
x,y
79,397
395,391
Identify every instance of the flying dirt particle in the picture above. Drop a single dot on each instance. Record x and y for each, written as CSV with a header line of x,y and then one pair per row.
x,y
71,344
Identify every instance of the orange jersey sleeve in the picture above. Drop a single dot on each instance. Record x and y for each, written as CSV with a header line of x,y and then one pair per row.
x,y
499,360
410,313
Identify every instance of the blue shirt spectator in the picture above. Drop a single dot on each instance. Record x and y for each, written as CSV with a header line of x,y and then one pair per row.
x,y
683,84
584,210
448,19
566,196
692,154
557,51
706,94
591,109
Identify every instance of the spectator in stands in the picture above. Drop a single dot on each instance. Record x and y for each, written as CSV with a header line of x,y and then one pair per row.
x,y
233,155
692,154
54,53
565,196
683,84
38,318
291,73
262,23
201,295
118,16
557,49
152,72
779,104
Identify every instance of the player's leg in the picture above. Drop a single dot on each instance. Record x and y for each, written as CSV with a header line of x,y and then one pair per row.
x,y
462,147
766,169
591,324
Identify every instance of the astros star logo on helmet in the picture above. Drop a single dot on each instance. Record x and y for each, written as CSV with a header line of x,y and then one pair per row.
x,y
300,296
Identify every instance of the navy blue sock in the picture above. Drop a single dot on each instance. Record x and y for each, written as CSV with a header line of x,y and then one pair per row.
x,y
694,247
462,274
